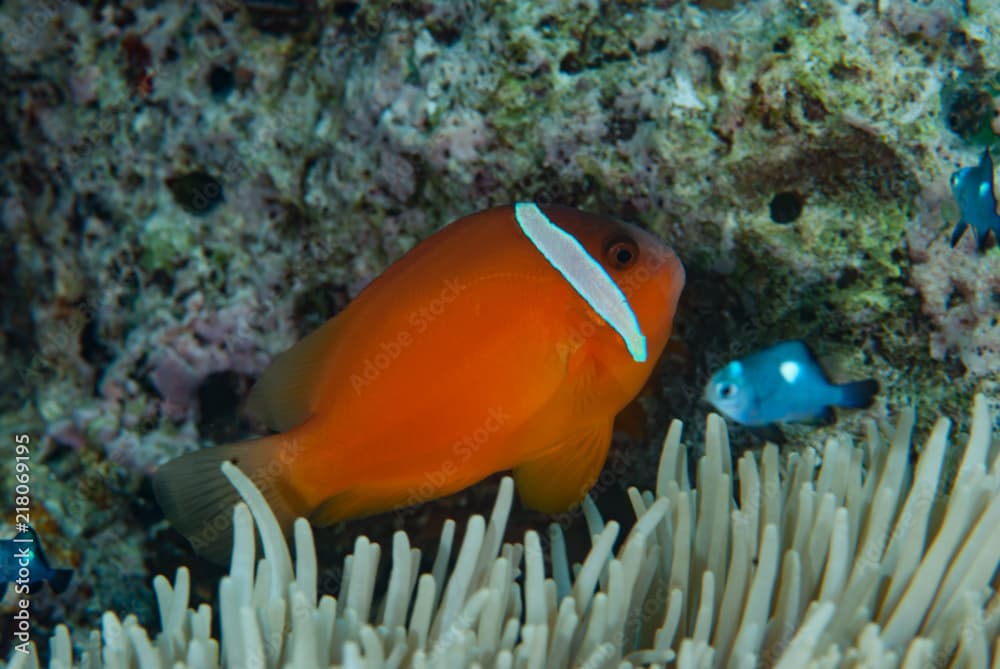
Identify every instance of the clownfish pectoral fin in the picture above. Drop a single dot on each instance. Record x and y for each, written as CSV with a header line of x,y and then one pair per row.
x,y
362,502
282,398
562,476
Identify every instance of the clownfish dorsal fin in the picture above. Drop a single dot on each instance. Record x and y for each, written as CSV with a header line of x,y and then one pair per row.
x,y
565,473
283,396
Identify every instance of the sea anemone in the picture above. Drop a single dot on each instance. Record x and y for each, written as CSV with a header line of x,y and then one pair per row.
x,y
858,559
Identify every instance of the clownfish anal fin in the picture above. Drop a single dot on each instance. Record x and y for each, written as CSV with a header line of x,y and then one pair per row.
x,y
336,508
361,502
562,476
283,396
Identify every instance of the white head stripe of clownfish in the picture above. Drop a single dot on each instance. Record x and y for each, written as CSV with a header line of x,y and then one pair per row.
x,y
585,274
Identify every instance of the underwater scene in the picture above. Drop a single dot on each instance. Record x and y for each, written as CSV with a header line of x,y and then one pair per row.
x,y
500,334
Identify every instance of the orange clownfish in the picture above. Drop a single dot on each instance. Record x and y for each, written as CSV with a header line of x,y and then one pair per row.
x,y
508,340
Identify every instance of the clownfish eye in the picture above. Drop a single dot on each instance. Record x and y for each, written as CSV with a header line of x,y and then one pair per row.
x,y
621,252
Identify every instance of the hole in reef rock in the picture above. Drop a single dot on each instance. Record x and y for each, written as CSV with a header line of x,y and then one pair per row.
x,y
786,207
221,81
969,113
197,192
92,347
570,64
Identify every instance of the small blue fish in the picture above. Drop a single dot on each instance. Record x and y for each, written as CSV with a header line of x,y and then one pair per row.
x,y
973,190
782,383
24,552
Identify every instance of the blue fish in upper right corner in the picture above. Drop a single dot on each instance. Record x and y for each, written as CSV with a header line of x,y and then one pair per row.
x,y
973,190
23,564
782,383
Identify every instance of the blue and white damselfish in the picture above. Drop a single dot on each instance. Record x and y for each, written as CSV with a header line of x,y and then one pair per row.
x,y
23,564
977,201
782,383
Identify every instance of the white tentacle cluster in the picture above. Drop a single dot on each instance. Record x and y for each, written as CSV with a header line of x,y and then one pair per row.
x,y
862,561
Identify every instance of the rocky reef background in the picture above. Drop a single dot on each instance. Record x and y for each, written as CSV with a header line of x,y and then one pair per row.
x,y
188,188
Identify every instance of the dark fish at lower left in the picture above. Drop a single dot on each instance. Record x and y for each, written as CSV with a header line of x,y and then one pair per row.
x,y
23,564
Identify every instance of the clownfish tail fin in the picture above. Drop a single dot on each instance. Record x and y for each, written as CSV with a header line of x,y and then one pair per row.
x,y
198,499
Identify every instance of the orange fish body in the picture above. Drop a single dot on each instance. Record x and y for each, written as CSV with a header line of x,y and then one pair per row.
x,y
470,355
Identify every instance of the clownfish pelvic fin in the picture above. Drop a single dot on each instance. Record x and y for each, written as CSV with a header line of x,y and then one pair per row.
x,y
563,475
